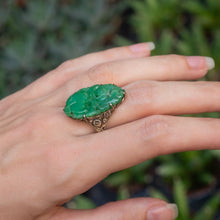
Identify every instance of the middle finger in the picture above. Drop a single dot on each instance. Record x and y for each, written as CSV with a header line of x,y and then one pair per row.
x,y
169,67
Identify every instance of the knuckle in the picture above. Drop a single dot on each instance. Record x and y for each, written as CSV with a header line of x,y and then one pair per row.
x,y
66,64
119,212
101,73
111,54
120,209
172,62
177,60
108,54
155,124
37,122
143,93
175,57
156,130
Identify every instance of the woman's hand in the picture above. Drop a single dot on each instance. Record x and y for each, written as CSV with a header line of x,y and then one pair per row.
x,y
46,158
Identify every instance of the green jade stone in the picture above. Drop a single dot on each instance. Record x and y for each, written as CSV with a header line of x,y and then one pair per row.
x,y
94,100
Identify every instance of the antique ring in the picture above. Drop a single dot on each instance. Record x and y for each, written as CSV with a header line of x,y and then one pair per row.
x,y
94,104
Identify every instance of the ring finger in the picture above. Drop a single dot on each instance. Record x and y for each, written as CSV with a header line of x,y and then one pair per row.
x,y
144,98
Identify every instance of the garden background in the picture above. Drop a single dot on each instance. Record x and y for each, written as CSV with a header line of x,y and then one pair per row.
x,y
36,36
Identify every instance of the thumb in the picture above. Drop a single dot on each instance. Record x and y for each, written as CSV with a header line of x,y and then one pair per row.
x,y
138,209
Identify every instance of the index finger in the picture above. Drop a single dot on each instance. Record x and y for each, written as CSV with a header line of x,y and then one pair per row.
x,y
70,68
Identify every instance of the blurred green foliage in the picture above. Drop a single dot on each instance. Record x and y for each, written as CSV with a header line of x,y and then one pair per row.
x,y
131,175
207,212
36,36
188,28
80,202
183,27
196,168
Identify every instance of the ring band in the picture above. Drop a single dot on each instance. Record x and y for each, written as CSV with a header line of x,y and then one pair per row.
x,y
94,104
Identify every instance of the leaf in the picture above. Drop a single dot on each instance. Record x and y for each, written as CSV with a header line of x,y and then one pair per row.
x,y
122,41
216,153
82,202
119,178
39,36
157,194
180,198
210,209
123,193
169,170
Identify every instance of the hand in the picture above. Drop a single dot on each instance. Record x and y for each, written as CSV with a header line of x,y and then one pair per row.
x,y
46,158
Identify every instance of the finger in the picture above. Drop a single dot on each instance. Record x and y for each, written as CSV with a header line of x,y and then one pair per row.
x,y
146,98
169,67
67,70
173,98
130,144
138,209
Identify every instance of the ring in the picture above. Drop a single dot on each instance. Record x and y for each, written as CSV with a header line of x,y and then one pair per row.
x,y
94,104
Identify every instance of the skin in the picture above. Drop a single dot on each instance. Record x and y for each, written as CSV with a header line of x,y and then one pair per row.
x,y
46,158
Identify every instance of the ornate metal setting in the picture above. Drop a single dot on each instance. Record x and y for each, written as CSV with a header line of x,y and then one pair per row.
x,y
99,122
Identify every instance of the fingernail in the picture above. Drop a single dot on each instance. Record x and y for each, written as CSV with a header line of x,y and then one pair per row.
x,y
210,62
163,212
142,47
174,209
199,62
